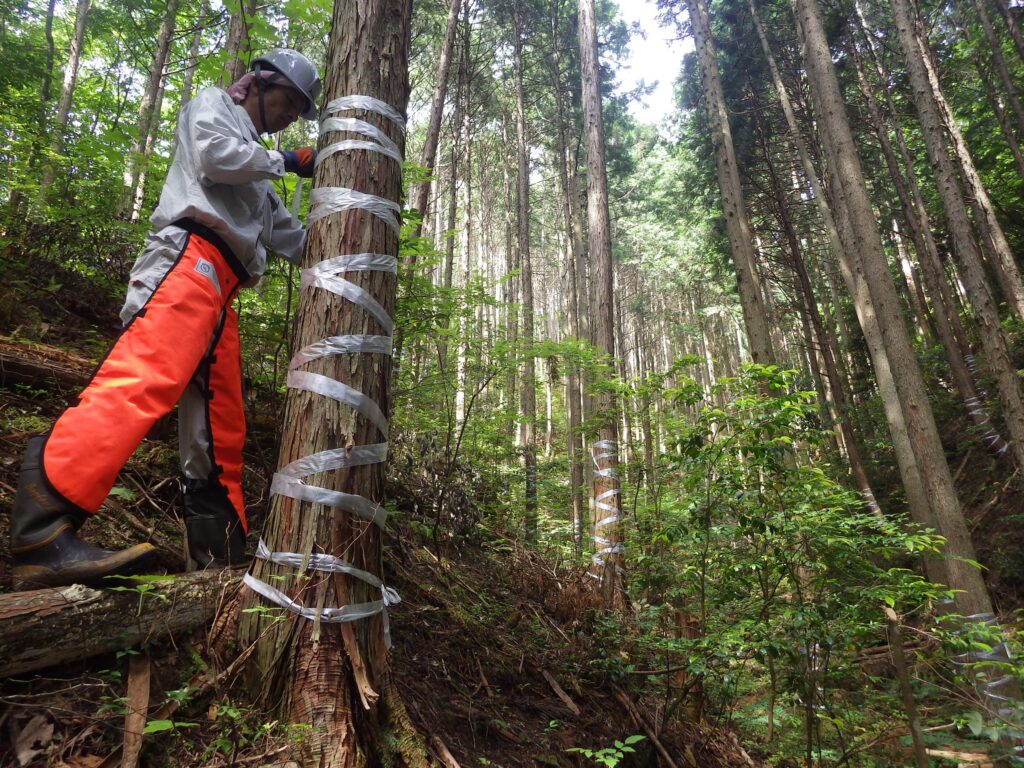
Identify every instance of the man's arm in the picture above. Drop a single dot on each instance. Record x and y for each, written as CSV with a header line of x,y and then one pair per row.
x,y
223,155
289,236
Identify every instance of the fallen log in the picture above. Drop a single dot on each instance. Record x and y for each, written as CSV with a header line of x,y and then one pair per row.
x,y
47,627
39,364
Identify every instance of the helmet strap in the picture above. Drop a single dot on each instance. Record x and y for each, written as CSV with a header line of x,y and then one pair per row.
x,y
261,88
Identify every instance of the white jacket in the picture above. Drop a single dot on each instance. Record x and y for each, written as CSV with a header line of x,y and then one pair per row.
x,y
220,179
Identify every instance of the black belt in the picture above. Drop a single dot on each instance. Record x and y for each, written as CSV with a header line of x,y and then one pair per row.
x,y
193,226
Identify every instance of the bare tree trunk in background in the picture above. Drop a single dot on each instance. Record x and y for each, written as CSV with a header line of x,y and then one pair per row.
x,y
148,116
237,46
996,52
527,385
139,193
755,317
1004,264
867,262
67,92
429,156
831,367
465,319
573,248
947,320
1011,24
47,85
608,539
190,69
328,490
973,273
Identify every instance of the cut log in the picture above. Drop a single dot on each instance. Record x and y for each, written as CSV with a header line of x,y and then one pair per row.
x,y
41,365
47,627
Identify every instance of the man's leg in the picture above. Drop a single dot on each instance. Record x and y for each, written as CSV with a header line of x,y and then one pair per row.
x,y
67,475
211,424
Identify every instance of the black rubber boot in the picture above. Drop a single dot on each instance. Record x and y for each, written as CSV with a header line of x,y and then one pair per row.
x,y
213,533
45,552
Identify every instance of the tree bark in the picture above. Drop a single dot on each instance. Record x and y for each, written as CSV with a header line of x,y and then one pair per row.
x,y
1004,264
528,383
573,246
190,70
755,317
868,265
800,269
237,46
49,627
996,52
947,320
429,155
335,679
608,539
1011,24
148,117
66,92
986,314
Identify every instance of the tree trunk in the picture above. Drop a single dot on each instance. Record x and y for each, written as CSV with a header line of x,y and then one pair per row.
x,y
66,92
329,487
754,315
527,385
573,389
1011,24
1005,264
49,627
986,314
608,538
429,155
190,72
868,265
996,52
947,319
148,117
237,46
800,270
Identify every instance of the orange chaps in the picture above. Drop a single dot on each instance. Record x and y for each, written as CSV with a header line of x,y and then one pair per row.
x,y
186,335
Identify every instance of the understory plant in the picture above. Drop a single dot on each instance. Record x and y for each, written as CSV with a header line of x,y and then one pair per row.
x,y
762,574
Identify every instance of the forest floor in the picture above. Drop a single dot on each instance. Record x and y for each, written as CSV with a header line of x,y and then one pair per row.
x,y
495,652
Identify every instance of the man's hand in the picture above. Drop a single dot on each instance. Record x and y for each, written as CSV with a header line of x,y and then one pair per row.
x,y
300,161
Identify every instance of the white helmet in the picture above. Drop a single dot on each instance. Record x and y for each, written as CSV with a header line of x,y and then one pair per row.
x,y
297,69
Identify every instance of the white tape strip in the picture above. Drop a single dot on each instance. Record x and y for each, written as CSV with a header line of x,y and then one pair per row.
x,y
347,290
289,481
380,142
368,103
341,345
325,201
353,612
342,393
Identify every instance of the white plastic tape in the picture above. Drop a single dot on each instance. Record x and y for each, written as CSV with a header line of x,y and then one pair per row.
x,y
290,481
368,103
324,201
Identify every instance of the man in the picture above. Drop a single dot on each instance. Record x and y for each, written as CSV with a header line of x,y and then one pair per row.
x,y
217,217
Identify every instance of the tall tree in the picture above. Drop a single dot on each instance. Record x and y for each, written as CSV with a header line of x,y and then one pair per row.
x,y
328,490
237,43
608,539
149,117
429,155
878,301
955,207
67,91
528,382
737,226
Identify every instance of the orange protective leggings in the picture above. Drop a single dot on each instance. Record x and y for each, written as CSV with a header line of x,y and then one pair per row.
x,y
187,328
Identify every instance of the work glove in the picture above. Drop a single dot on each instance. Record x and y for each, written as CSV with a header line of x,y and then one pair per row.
x,y
300,161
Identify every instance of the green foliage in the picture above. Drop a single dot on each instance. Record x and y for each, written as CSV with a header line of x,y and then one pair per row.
x,y
610,756
780,569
